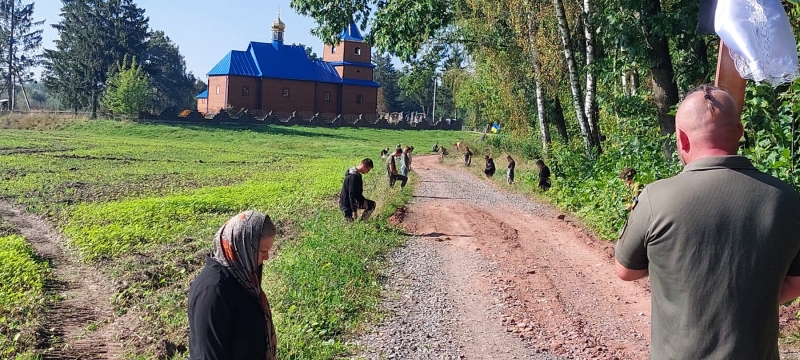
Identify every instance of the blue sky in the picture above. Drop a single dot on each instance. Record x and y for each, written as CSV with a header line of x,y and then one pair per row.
x,y
206,30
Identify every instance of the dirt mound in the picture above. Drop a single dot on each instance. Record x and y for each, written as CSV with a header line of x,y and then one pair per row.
x,y
399,216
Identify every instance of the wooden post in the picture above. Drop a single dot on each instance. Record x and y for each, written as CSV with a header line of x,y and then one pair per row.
x,y
728,77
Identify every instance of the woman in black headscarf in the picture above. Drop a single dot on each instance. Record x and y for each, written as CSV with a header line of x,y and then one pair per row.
x,y
229,316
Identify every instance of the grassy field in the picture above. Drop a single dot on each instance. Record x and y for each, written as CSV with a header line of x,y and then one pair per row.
x,y
143,201
22,296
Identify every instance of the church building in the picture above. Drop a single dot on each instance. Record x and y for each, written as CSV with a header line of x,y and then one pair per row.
x,y
281,78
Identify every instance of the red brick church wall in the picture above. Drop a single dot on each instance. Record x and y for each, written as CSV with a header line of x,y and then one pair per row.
x,y
332,105
369,100
301,95
242,92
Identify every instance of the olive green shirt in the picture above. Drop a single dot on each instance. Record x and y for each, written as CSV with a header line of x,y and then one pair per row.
x,y
718,240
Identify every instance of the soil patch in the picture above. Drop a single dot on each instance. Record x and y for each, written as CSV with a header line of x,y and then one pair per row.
x,y
399,216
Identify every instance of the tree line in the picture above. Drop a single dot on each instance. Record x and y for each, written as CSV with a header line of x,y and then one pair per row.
x,y
589,85
101,44
529,60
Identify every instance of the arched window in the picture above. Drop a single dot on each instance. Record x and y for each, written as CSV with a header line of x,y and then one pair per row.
x,y
333,50
358,51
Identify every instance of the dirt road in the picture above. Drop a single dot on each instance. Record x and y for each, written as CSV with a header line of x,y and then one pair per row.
x,y
81,323
513,279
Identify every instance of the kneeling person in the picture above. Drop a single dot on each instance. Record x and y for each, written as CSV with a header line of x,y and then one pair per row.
x,y
352,196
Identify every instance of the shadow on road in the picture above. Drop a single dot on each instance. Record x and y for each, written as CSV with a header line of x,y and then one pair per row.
x,y
439,197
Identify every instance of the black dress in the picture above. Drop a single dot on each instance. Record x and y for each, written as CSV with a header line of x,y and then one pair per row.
x,y
544,178
490,169
225,321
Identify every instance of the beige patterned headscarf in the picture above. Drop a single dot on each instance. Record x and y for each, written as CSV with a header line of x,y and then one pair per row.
x,y
236,248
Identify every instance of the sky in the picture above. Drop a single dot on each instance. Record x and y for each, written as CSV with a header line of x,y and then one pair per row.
x,y
205,30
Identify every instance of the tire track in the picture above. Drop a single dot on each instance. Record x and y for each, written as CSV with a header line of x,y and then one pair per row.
x,y
79,325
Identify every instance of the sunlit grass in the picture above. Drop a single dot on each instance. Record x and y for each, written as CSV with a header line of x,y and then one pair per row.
x,y
22,280
143,201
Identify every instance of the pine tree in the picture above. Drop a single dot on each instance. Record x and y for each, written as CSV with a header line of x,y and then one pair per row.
x,y
21,44
93,36
70,68
174,87
388,77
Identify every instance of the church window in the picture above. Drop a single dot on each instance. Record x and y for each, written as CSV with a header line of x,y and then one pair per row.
x,y
245,91
327,96
217,90
358,50
333,50
359,99
285,92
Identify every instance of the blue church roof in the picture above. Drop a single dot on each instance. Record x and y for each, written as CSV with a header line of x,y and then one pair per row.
x,y
351,33
278,61
236,63
203,95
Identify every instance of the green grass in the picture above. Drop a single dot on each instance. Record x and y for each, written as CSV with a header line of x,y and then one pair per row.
x,y
22,297
143,201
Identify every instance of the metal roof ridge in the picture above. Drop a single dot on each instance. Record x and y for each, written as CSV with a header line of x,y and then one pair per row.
x,y
252,53
220,63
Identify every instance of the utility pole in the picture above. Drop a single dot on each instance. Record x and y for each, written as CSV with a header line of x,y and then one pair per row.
x,y
10,79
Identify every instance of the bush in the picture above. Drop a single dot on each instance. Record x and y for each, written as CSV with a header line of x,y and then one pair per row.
x,y
128,91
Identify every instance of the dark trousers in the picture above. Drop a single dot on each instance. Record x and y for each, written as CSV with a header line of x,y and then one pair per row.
x,y
348,214
395,178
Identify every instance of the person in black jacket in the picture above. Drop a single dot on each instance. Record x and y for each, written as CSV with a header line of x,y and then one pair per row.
x,y
352,196
510,172
490,168
544,175
229,315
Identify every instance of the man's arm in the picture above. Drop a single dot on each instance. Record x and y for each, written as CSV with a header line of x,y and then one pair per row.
x,y
629,274
357,190
631,251
790,289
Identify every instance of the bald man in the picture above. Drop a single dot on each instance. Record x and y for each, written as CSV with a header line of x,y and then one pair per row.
x,y
719,242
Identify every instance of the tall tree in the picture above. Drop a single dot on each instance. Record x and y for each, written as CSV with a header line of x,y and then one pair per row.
x,y
399,27
70,70
417,79
22,43
575,86
388,77
93,36
544,130
590,91
174,87
665,88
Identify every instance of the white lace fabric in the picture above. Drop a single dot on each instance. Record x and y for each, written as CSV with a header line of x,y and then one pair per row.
x,y
760,39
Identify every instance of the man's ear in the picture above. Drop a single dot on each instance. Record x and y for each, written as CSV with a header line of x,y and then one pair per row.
x,y
740,129
683,141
